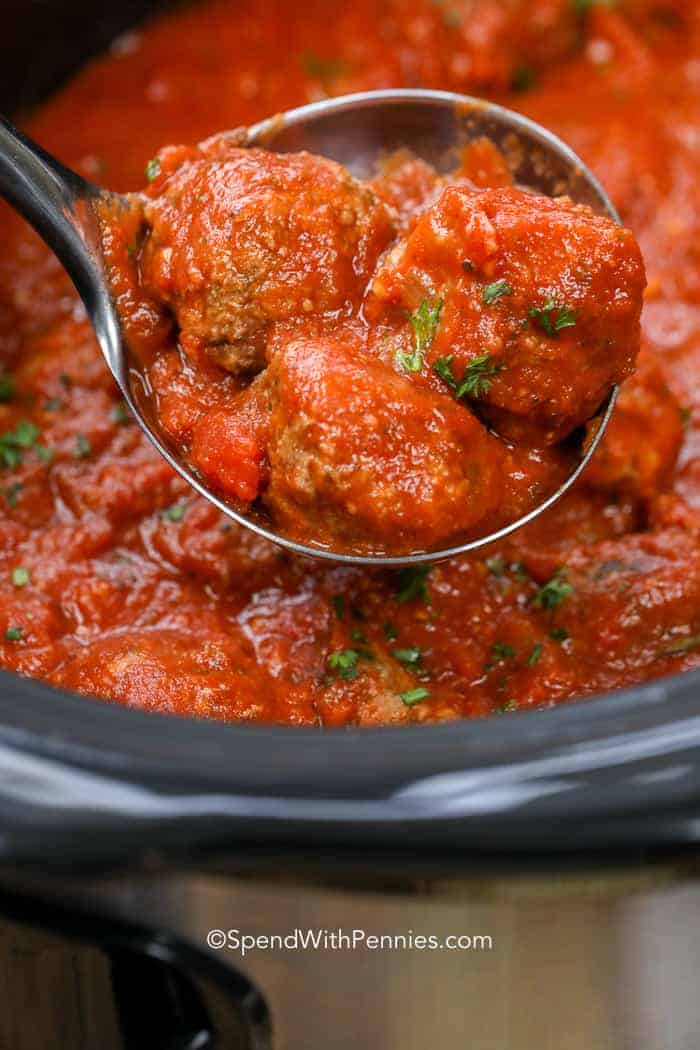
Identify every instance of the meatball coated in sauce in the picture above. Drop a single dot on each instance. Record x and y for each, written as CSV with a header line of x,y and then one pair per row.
x,y
359,453
241,239
542,296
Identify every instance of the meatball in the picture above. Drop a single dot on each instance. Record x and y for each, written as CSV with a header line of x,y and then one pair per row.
x,y
241,238
535,305
640,447
359,453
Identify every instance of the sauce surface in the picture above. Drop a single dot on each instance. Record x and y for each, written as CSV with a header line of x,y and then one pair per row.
x,y
117,582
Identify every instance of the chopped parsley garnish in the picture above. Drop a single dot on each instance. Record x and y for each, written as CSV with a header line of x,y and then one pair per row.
x,y
12,493
452,18
153,169
323,68
20,576
338,603
496,566
552,316
509,705
176,512
407,656
121,414
14,442
359,636
390,632
477,378
554,592
442,367
414,696
582,7
7,388
559,634
44,453
344,662
535,655
684,646
500,651
14,634
413,583
83,448
424,322
523,78
493,292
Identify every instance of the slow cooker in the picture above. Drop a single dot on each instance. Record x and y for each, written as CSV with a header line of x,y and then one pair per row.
x,y
523,882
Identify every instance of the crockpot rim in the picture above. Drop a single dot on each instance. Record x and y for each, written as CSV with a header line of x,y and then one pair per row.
x,y
82,779
88,781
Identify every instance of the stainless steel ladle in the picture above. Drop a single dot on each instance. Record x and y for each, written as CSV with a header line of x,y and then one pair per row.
x,y
356,130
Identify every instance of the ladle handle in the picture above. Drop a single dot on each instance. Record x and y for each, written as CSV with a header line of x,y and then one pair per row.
x,y
53,199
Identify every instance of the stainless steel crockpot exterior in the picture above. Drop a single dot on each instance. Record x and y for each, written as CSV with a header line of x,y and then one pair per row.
x,y
83,782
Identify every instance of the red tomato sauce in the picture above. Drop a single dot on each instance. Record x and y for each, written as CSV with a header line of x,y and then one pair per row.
x,y
119,583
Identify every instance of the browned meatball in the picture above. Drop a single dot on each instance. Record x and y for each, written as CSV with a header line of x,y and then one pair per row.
x,y
535,305
362,454
239,239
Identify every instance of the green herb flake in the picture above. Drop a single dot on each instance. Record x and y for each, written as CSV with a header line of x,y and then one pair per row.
x,y
559,634
424,322
509,705
493,292
552,317
414,696
344,662
176,512
321,68
20,576
360,637
442,367
413,584
44,453
582,7
452,18
83,448
14,442
523,78
121,414
390,632
478,376
338,603
12,494
496,566
686,645
554,592
7,388
500,651
14,634
535,655
153,169
411,655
